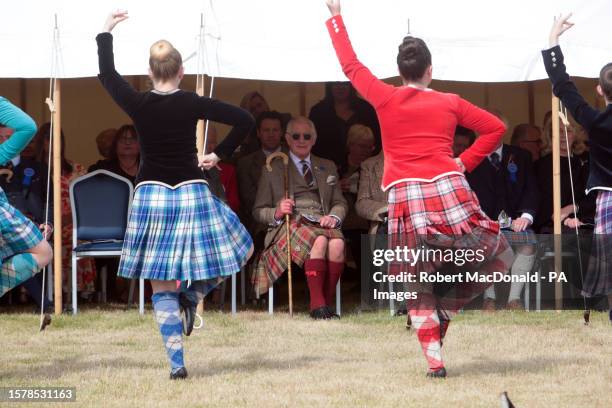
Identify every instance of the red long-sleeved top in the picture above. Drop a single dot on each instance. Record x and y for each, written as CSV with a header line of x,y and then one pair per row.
x,y
417,126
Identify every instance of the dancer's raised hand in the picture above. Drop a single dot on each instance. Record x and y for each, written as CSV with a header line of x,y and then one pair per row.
x,y
208,161
560,26
113,19
333,6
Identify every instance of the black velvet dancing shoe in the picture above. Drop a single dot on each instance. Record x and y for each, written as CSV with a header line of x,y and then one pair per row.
x,y
188,309
440,373
179,374
321,313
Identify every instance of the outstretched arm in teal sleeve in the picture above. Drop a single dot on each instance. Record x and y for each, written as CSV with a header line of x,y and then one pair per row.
x,y
23,125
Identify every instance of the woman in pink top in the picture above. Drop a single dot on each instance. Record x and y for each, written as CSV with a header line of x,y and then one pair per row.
x,y
431,205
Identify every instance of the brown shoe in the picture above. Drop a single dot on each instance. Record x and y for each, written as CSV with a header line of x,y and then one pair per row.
x,y
515,305
488,305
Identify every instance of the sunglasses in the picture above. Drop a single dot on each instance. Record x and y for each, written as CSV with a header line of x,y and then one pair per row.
x,y
296,136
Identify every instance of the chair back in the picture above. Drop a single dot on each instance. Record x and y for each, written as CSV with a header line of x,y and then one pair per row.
x,y
100,203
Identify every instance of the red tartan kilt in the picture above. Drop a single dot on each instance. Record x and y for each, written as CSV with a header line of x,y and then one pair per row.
x,y
272,262
445,214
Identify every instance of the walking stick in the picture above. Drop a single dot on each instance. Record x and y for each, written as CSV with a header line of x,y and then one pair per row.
x,y
269,167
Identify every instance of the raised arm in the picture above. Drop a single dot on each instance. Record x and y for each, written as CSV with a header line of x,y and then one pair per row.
x,y
488,126
563,87
23,126
122,92
371,88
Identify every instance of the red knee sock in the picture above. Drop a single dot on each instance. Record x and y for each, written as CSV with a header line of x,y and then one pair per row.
x,y
315,276
334,271
426,323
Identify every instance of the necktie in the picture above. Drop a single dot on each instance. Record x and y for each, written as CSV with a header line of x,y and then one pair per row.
x,y
307,173
495,160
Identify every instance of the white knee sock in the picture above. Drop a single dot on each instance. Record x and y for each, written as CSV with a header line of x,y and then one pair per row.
x,y
521,267
490,292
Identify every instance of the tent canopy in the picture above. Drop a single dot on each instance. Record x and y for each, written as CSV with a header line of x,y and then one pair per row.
x,y
286,40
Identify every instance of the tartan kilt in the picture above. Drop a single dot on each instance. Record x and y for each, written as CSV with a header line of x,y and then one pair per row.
x,y
17,235
598,279
527,237
445,214
182,233
272,262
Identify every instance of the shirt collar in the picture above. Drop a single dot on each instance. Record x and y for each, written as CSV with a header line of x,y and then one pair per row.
x,y
498,151
269,152
297,160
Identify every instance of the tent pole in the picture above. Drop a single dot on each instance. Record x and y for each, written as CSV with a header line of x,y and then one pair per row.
x,y
57,197
557,200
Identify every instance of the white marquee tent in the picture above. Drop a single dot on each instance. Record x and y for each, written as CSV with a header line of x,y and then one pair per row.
x,y
475,40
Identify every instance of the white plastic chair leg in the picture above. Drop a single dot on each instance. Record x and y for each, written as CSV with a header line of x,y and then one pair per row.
x,y
391,301
74,284
233,294
141,297
271,300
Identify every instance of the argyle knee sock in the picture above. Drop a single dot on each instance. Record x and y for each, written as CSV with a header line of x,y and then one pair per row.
x,y
315,276
16,270
427,326
168,318
334,271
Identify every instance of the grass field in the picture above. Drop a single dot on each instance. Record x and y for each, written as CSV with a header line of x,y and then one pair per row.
x,y
115,359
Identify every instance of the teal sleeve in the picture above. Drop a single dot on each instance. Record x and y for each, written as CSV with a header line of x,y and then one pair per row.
x,y
23,125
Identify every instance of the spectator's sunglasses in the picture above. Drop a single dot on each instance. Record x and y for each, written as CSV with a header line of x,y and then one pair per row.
x,y
296,136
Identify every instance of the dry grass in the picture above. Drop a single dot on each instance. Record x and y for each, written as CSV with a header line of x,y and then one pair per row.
x,y
115,359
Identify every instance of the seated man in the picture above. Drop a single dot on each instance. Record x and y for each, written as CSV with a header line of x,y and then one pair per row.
x,y
464,138
527,137
316,207
269,127
507,190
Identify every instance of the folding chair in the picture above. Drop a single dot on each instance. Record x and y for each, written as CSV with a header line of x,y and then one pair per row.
x,y
100,203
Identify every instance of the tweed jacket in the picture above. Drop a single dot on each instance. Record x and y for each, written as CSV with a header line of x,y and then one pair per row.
x,y
371,199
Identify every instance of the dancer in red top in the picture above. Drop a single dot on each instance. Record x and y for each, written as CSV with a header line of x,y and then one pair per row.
x,y
429,197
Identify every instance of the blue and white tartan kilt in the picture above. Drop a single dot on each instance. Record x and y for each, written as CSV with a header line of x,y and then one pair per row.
x,y
17,235
181,234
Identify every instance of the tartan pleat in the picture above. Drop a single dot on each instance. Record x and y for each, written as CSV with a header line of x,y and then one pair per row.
x,y
17,235
446,214
181,234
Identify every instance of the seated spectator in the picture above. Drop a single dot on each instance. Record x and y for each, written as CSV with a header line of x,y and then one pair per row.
x,y
335,114
124,154
25,187
584,212
256,104
360,145
86,271
104,141
372,201
529,138
225,174
464,138
317,209
506,188
269,128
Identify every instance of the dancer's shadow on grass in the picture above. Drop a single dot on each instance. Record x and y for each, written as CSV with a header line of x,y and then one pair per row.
x,y
251,363
54,369
511,367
